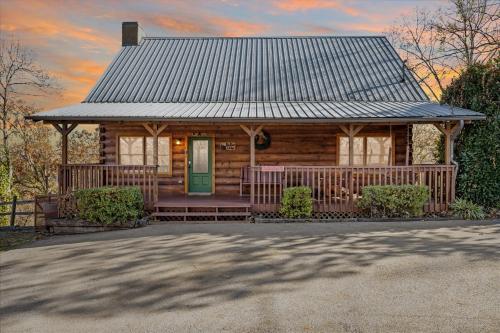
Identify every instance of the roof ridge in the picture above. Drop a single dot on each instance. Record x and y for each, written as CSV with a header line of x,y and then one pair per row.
x,y
260,37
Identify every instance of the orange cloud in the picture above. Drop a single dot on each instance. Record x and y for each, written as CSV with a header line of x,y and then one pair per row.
x,y
230,28
35,27
80,71
177,25
298,5
363,27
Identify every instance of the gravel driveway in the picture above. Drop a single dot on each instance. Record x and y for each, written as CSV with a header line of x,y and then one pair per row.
x,y
337,277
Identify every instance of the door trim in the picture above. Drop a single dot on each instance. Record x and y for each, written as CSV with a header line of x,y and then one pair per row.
x,y
186,159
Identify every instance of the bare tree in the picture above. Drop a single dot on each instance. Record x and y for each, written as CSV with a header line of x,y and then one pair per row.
x,y
20,76
438,45
416,38
469,31
34,151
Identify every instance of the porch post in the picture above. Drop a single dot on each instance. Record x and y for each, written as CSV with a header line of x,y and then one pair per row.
x,y
155,145
64,148
251,133
449,131
63,174
351,132
65,130
155,131
351,146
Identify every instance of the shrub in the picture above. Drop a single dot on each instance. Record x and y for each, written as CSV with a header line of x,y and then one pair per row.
x,y
4,195
297,202
467,210
477,151
109,205
393,200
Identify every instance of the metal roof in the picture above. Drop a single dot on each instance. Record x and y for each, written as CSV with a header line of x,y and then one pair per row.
x,y
255,69
259,111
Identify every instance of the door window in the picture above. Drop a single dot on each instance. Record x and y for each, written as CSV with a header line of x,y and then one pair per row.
x,y
200,156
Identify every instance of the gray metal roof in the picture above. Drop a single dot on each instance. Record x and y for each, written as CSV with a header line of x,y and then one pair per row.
x,y
254,69
259,111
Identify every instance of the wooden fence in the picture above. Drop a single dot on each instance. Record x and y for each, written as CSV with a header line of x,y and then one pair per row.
x,y
337,188
73,177
14,210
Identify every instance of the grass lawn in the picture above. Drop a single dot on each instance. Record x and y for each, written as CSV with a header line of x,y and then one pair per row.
x,y
12,238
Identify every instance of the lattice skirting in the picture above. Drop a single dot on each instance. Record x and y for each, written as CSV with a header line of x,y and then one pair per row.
x,y
315,215
341,216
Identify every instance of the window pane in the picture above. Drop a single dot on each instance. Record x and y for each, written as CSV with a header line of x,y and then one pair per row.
x,y
149,150
378,150
131,159
131,150
344,151
164,145
163,162
163,153
200,156
358,151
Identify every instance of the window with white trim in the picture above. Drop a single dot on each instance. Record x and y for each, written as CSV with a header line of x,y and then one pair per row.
x,y
138,150
368,150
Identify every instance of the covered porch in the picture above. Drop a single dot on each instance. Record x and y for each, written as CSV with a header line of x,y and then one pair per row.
x,y
318,152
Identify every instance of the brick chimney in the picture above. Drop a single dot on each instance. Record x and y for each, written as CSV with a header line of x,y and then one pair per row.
x,y
130,34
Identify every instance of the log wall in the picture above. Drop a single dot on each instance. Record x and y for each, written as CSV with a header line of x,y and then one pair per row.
x,y
292,144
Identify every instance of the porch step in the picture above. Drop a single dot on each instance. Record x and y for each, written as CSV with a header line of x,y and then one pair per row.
x,y
195,204
202,208
201,214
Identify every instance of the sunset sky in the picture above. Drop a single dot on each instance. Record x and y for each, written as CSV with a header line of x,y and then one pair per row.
x,y
76,40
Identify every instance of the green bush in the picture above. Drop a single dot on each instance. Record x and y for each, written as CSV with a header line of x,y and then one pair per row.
x,y
467,210
297,202
478,145
109,205
393,200
4,195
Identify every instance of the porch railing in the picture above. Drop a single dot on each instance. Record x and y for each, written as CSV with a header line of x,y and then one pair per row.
x,y
73,177
337,188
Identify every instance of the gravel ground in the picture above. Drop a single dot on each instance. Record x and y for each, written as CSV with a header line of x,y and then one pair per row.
x,y
337,277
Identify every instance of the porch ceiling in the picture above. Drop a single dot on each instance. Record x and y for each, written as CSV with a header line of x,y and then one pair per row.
x,y
259,111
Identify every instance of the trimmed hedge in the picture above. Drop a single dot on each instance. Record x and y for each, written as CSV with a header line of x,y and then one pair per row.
x,y
393,200
297,202
109,205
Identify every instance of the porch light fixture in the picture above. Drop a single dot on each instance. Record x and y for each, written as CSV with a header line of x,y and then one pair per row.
x,y
178,142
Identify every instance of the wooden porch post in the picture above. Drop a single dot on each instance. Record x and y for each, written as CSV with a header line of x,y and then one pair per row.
x,y
65,130
449,130
251,133
351,132
155,131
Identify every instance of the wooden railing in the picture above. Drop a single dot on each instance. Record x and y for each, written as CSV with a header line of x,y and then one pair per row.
x,y
73,177
337,188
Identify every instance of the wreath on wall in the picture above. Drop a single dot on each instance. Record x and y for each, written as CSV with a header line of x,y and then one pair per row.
x,y
262,140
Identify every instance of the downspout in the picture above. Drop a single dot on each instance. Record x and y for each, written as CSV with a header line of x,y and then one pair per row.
x,y
455,163
453,138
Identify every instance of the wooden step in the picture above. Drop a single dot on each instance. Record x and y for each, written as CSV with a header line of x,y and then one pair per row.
x,y
166,204
202,214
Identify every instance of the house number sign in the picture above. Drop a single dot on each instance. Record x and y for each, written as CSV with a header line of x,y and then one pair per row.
x,y
228,146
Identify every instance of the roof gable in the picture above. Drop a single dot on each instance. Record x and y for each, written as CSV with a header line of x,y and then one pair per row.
x,y
257,69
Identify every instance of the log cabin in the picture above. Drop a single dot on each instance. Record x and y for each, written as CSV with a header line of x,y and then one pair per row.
x,y
219,126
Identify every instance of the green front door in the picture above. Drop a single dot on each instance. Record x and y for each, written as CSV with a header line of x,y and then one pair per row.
x,y
200,165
